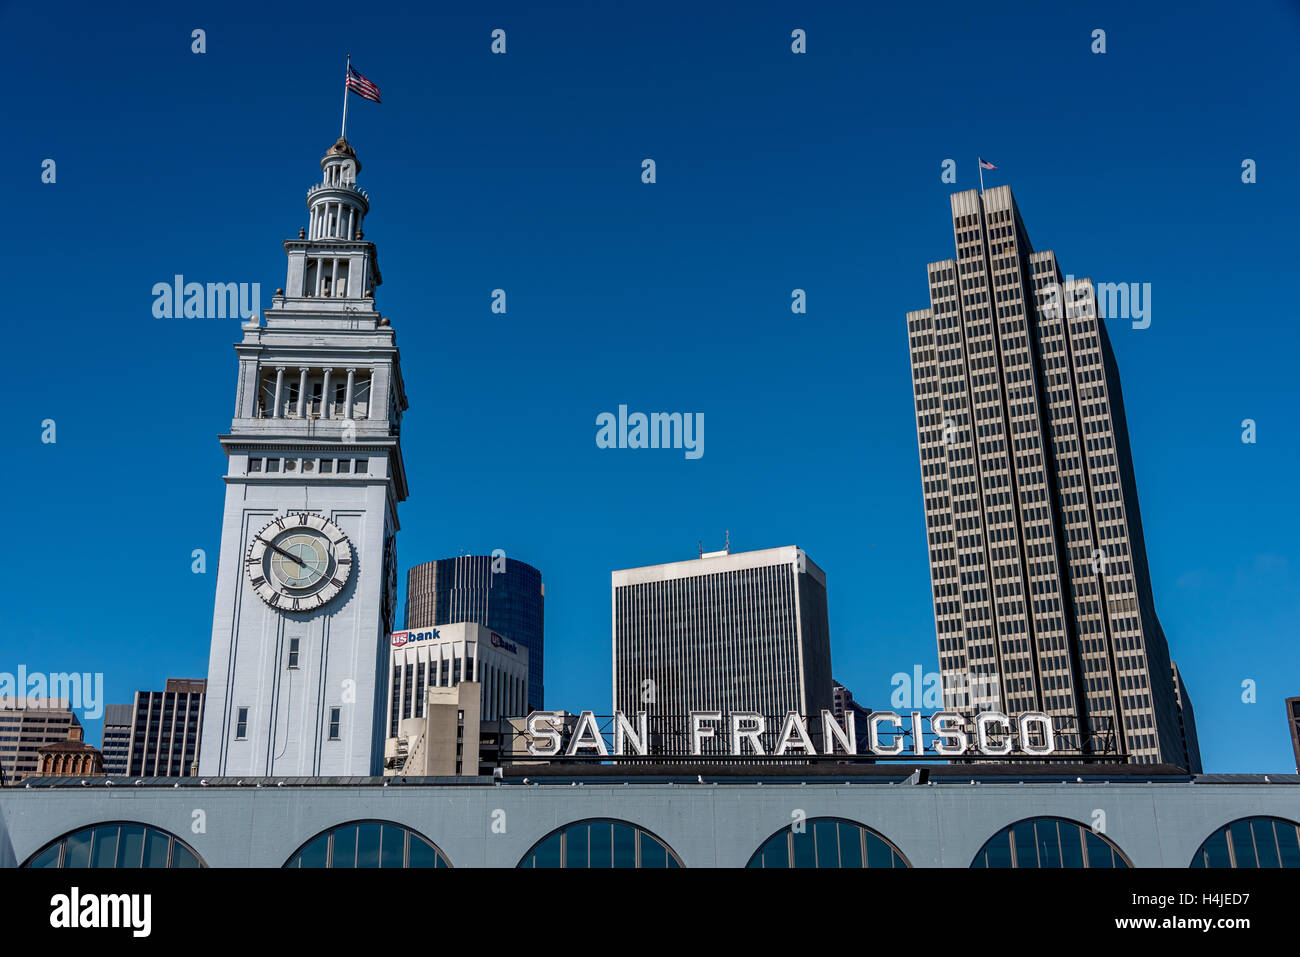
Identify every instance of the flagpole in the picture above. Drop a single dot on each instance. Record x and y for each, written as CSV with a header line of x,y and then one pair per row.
x,y
979,161
344,133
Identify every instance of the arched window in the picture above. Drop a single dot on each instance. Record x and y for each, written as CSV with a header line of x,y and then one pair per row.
x,y
1049,842
117,844
368,844
600,843
1252,842
827,842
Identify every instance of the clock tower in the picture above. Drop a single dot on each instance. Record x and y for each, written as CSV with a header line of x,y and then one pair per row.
x,y
307,581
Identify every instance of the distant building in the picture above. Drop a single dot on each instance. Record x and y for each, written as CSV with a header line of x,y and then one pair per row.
x,y
116,743
25,725
166,729
1187,722
448,655
724,632
1293,720
842,703
503,594
69,759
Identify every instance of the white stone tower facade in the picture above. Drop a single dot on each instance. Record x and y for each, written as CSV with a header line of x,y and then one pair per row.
x,y
307,581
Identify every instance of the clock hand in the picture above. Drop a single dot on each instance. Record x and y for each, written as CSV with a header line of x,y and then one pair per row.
x,y
293,558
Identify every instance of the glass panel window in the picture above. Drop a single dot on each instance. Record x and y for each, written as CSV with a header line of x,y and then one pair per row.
x,y
78,849
345,847
368,844
850,844
575,846
103,851
1251,842
624,846
826,838
48,857
130,846
315,854
424,854
599,843
155,848
1243,844
1048,842
182,856
393,847
602,844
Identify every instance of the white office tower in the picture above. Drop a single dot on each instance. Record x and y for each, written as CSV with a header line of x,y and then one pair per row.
x,y
724,632
306,587
443,657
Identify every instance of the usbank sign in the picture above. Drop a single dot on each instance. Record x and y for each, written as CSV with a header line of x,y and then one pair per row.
x,y
988,733
403,638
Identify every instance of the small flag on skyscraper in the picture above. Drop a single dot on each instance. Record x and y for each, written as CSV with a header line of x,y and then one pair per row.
x,y
985,164
362,87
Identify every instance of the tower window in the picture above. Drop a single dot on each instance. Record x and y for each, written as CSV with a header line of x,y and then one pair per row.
x,y
254,465
293,652
326,465
345,466
363,466
273,465
241,724
336,718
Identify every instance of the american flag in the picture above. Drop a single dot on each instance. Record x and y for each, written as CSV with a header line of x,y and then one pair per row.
x,y
985,164
362,87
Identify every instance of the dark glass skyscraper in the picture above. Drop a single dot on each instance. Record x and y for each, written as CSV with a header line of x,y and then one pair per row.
x,y
166,730
1042,597
510,600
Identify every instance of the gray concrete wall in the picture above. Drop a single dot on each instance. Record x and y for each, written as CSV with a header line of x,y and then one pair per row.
x,y
1155,825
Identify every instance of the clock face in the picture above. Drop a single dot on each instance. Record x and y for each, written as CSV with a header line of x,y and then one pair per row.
x,y
299,562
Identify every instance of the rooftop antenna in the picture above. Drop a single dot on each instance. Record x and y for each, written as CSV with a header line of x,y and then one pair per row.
x,y
700,543
727,545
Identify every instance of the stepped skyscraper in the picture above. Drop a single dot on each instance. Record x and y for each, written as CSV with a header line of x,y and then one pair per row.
x,y
307,582
1042,597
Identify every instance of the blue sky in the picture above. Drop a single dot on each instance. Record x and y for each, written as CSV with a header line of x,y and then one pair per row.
x,y
522,172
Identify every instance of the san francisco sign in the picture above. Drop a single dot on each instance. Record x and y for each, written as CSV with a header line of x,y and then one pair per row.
x,y
743,733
